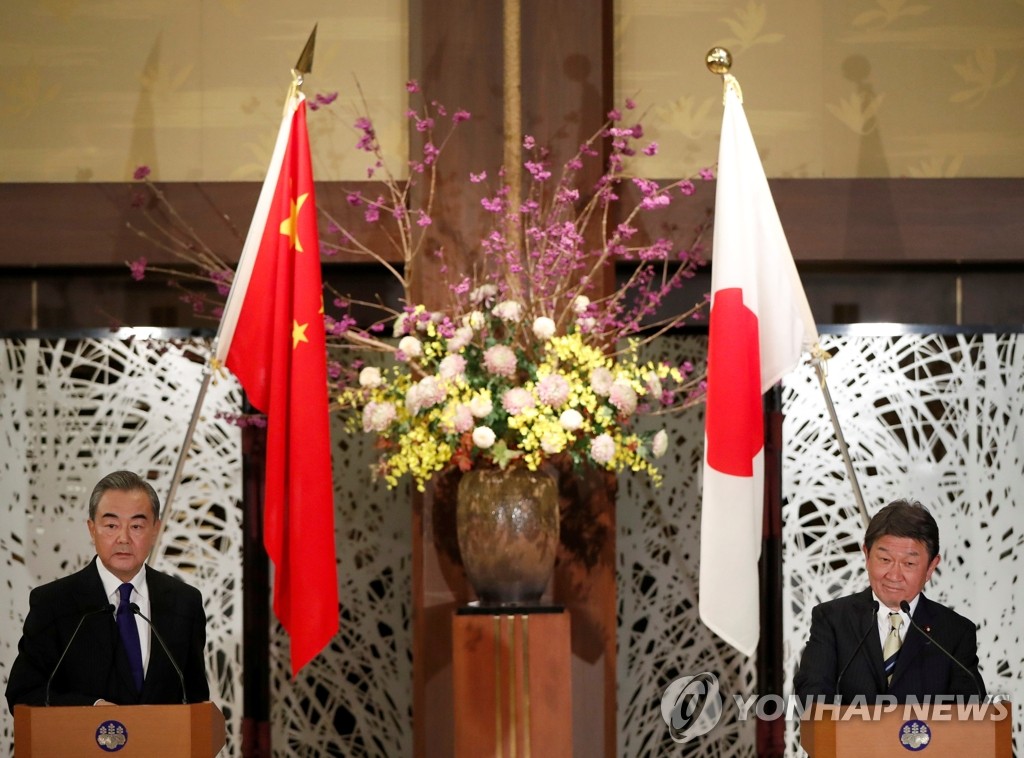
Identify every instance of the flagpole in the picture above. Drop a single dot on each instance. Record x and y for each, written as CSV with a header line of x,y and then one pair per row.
x,y
843,449
182,456
304,65
209,367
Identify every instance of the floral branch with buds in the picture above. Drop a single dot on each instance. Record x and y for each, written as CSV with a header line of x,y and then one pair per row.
x,y
528,359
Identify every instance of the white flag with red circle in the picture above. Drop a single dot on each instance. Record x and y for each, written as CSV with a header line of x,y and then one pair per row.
x,y
759,325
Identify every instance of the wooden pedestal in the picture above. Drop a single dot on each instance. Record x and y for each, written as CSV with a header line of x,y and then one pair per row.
x,y
512,682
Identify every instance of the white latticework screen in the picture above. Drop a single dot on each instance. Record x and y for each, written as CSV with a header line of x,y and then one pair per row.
x,y
355,698
937,418
73,410
661,637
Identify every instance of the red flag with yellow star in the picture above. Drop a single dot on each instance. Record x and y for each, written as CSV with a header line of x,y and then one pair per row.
x,y
272,338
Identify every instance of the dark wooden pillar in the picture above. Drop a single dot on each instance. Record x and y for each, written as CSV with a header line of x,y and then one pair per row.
x,y
255,599
456,56
771,734
456,53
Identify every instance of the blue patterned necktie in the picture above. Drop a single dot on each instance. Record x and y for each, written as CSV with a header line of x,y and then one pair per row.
x,y
130,634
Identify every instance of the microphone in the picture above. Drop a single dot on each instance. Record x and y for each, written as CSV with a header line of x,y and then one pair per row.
x,y
905,607
872,625
108,608
181,677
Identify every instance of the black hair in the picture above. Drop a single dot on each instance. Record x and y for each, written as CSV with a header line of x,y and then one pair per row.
x,y
904,518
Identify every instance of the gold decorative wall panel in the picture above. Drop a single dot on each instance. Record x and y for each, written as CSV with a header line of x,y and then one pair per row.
x,y
860,88
193,89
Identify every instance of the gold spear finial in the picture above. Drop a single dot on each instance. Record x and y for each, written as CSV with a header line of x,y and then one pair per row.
x,y
305,63
719,61
302,67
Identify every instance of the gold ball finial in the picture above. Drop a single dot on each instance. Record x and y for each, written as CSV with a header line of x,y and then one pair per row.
x,y
718,60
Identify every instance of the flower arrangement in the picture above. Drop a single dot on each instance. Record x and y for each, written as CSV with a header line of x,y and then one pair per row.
x,y
526,359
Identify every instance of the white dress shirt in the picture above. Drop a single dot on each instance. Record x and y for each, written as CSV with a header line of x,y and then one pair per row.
x,y
884,627
140,596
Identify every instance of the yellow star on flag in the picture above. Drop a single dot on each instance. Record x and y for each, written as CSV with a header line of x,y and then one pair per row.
x,y
289,227
299,333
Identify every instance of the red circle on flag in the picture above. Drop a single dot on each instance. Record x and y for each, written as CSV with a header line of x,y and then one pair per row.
x,y
734,418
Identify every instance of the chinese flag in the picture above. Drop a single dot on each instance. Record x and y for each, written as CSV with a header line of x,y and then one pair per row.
x,y
272,339
760,323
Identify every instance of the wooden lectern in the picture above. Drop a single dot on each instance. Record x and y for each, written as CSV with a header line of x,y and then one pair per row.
x,y
144,731
512,682
948,731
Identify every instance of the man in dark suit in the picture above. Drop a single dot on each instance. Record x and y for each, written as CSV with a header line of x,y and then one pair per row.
x,y
844,653
115,657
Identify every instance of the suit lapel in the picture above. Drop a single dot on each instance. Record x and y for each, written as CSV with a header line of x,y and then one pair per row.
x,y
874,647
914,642
872,643
161,607
100,637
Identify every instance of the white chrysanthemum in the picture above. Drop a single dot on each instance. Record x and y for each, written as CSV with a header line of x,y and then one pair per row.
x,y
543,328
509,310
654,385
410,346
483,292
398,329
370,378
580,304
481,405
659,444
483,437
571,420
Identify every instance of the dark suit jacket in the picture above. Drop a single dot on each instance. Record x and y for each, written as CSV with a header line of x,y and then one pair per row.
x,y
95,665
921,670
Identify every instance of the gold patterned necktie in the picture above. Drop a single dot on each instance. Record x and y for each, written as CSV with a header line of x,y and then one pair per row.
x,y
891,649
